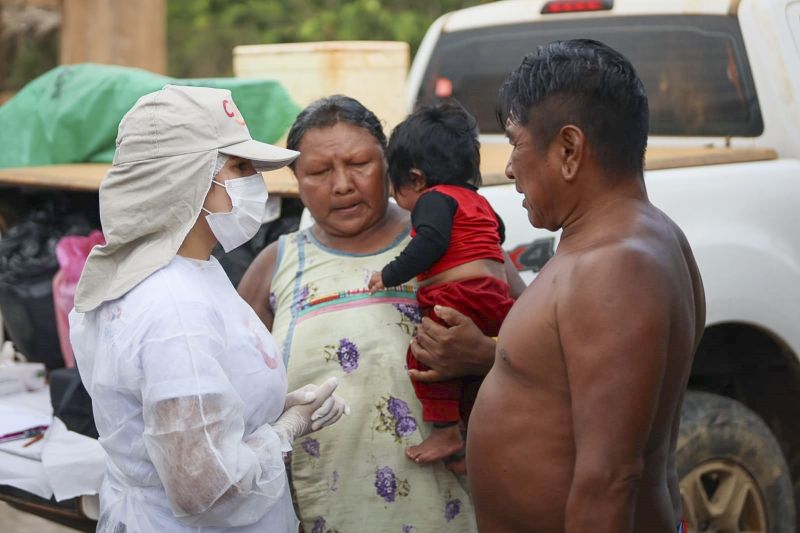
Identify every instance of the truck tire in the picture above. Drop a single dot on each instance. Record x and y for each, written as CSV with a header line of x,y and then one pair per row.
x,y
733,475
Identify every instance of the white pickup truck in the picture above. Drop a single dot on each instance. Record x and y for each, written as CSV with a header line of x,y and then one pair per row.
x,y
723,81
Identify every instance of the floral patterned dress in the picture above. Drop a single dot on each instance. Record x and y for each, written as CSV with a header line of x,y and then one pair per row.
x,y
354,476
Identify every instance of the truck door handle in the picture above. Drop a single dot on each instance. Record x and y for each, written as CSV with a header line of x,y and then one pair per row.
x,y
534,255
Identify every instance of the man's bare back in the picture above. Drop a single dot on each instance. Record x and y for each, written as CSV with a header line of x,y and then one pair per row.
x,y
575,426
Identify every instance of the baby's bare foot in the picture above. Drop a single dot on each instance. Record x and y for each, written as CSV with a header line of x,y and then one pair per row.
x,y
442,443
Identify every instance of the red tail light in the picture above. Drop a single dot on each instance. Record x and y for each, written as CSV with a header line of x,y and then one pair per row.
x,y
443,88
576,6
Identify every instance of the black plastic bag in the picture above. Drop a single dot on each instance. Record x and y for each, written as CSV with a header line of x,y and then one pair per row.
x,y
71,402
27,266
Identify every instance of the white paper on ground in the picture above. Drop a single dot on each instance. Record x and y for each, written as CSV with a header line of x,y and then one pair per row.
x,y
24,448
20,467
73,463
38,401
13,419
65,463
25,474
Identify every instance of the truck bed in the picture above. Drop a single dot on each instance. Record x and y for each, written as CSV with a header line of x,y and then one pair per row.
x,y
281,182
495,156
87,177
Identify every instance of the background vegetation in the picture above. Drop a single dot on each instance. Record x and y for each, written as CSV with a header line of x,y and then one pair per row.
x,y
202,33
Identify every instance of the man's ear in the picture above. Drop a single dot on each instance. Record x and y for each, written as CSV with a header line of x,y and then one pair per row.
x,y
573,148
418,180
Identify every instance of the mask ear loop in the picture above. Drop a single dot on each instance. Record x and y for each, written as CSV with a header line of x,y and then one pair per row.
x,y
221,160
218,166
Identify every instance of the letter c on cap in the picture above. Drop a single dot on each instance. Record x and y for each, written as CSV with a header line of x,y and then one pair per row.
x,y
234,114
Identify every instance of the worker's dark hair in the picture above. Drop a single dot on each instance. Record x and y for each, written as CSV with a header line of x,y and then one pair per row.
x,y
441,141
587,84
329,111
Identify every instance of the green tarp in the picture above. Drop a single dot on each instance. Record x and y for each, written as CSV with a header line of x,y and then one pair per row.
x,y
71,113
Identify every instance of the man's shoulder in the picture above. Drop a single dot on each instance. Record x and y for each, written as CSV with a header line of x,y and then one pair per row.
x,y
614,265
623,252
641,237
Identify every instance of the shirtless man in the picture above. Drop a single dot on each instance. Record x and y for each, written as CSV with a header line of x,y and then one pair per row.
x,y
576,424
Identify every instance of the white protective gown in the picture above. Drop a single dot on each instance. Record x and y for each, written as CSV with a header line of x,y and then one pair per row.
x,y
185,380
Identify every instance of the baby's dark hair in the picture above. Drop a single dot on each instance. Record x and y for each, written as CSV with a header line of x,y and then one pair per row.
x,y
441,141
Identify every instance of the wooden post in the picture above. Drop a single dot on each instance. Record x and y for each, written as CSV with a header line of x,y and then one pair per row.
x,y
2,56
117,32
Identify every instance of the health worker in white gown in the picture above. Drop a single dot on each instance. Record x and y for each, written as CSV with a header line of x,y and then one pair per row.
x,y
188,389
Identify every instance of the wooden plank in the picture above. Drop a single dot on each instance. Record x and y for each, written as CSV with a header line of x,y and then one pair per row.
x,y
3,60
46,4
663,158
282,182
115,32
495,156
77,177
87,177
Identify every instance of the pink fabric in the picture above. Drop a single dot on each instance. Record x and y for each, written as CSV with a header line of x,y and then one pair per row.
x,y
71,252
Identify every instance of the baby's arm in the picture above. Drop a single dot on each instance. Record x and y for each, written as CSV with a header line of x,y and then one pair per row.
x,y
432,219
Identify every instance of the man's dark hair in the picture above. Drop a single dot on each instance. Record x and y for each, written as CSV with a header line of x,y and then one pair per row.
x,y
441,141
585,83
329,111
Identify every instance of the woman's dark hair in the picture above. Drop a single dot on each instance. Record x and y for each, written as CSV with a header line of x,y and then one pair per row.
x,y
585,83
441,141
329,111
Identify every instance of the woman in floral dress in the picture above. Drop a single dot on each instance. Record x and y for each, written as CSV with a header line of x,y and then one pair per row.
x,y
310,289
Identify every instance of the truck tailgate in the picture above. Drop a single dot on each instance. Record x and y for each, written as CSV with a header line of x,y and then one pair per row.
x,y
87,177
495,156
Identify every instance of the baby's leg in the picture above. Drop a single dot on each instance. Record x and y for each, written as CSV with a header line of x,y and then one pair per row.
x,y
440,405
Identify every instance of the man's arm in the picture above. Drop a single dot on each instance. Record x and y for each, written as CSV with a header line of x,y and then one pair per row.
x,y
452,351
460,348
256,283
613,321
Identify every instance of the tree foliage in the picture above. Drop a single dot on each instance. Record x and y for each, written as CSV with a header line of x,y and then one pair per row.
x,y
28,42
202,33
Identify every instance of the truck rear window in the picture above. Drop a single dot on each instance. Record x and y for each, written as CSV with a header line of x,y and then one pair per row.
x,y
694,68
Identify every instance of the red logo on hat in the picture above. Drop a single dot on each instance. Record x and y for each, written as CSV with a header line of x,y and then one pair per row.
x,y
232,112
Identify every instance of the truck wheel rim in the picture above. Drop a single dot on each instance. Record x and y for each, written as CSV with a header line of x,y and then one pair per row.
x,y
721,497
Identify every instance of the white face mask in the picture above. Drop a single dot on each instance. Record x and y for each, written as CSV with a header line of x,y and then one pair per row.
x,y
249,198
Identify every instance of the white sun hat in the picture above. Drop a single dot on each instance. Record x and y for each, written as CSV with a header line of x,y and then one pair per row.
x,y
167,146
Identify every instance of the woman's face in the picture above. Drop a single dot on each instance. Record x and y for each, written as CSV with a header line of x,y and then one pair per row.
x,y
341,175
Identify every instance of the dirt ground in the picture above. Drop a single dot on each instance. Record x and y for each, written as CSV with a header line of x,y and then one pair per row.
x,y
13,521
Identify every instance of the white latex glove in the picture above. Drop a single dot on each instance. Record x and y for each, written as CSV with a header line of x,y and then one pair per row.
x,y
329,412
297,420
301,396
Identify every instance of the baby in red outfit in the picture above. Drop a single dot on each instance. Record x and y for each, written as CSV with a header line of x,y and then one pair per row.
x,y
455,254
